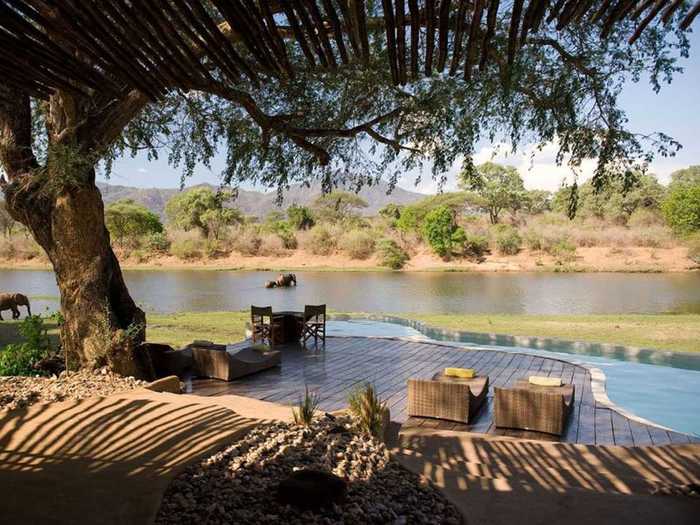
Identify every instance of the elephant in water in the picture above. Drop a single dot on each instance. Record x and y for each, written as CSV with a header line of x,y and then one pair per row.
x,y
286,280
11,301
270,284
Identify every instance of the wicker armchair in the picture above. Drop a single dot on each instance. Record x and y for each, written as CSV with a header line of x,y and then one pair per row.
x,y
530,407
447,398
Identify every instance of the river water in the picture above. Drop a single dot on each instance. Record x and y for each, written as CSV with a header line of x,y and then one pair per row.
x,y
392,292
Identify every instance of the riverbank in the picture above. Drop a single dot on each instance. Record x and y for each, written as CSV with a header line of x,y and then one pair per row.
x,y
674,332
586,259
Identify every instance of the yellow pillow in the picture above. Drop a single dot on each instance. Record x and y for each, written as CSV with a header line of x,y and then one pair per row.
x,y
464,373
545,381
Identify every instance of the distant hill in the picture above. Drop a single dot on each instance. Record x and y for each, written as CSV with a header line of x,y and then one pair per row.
x,y
260,203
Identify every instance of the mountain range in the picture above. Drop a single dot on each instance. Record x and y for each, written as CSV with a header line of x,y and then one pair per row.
x,y
259,203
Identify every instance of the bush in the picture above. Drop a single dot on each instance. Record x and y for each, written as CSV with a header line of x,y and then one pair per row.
x,y
693,243
562,250
321,241
156,243
644,218
271,244
682,208
441,232
367,409
247,241
358,244
300,217
285,231
533,240
475,245
392,255
507,239
19,359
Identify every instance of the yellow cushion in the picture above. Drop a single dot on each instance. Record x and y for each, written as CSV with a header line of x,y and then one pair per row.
x,y
545,381
261,348
465,373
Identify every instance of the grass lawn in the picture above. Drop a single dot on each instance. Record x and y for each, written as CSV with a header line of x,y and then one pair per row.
x,y
679,332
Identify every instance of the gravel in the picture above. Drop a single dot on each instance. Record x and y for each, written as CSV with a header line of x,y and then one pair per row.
x,y
21,392
238,484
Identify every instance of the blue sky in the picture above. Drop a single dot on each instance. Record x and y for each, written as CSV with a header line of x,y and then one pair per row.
x,y
675,110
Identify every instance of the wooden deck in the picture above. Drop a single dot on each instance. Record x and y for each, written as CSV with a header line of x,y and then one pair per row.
x,y
388,363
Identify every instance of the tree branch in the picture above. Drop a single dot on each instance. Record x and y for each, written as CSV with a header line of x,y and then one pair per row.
x,y
16,154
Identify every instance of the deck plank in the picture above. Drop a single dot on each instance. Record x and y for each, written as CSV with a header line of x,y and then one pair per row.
x,y
388,363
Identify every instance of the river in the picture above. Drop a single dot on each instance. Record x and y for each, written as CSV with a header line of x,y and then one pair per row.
x,y
392,292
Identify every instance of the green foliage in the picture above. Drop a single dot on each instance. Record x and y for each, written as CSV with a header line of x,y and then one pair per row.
x,y
682,207
19,359
202,209
441,232
367,409
358,244
284,230
156,242
497,188
300,217
535,202
7,223
475,245
306,408
391,254
338,206
507,239
128,222
563,251
689,176
187,249
321,242
412,216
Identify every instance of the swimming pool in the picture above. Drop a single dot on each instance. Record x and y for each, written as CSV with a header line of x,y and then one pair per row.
x,y
665,395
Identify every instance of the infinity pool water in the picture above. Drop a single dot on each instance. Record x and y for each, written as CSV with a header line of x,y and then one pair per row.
x,y
661,394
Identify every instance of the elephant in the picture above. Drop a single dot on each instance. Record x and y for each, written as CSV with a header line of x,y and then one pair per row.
x,y
11,301
270,284
286,280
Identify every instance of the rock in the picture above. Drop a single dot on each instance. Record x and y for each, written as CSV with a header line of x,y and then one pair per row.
x,y
311,489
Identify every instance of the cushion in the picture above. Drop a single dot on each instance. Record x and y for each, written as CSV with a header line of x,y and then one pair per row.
x,y
260,348
545,381
465,373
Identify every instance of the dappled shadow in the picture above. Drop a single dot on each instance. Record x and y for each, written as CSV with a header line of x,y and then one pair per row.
x,y
81,458
494,477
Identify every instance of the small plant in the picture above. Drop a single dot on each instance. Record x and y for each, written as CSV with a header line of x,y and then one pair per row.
x,y
475,245
507,239
306,408
392,255
19,359
367,409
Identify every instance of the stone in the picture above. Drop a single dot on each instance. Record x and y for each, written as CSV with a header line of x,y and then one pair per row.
x,y
311,489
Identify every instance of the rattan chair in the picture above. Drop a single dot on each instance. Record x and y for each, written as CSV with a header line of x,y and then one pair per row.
x,y
262,323
314,324
448,398
531,407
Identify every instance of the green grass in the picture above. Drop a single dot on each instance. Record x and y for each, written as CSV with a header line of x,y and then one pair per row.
x,y
179,329
677,332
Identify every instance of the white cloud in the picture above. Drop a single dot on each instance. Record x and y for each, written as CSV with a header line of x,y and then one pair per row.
x,y
537,167
142,170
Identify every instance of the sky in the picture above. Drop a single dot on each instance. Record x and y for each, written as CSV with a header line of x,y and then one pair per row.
x,y
675,110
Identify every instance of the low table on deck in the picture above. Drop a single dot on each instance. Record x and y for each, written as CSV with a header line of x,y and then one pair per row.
x,y
288,327
532,407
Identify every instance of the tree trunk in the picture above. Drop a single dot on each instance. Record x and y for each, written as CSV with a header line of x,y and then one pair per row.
x,y
102,324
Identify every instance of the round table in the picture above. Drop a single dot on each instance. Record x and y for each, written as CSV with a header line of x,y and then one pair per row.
x,y
287,327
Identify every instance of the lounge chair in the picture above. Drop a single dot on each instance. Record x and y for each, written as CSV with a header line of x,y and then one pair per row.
x,y
314,324
449,398
218,362
530,407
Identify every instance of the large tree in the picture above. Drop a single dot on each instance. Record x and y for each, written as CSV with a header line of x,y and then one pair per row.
x,y
497,188
294,91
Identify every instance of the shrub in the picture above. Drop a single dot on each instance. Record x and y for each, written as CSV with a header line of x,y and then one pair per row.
x,y
562,250
247,241
533,240
644,218
475,245
507,239
306,408
682,208
19,359
441,232
693,243
392,255
285,231
187,249
321,241
270,244
157,243
367,409
358,244
300,217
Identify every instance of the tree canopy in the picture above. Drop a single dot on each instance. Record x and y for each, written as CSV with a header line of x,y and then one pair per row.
x,y
202,209
498,188
338,206
127,220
